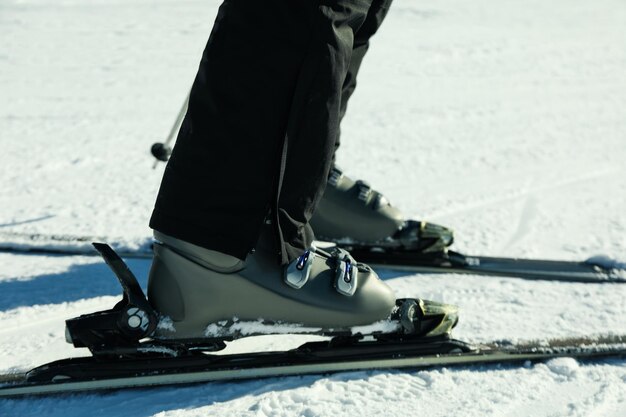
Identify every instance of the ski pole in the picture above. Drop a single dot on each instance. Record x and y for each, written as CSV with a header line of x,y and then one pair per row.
x,y
162,150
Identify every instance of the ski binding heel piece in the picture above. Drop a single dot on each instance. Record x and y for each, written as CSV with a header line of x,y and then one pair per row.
x,y
129,321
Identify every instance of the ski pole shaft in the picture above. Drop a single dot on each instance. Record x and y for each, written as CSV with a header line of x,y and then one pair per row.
x,y
175,126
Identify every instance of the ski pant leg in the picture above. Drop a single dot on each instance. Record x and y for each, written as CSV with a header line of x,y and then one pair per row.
x,y
261,126
375,17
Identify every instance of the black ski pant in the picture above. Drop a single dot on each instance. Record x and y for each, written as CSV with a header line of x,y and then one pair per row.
x,y
260,132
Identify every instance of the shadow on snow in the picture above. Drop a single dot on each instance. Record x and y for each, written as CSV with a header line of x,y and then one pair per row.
x,y
79,282
85,281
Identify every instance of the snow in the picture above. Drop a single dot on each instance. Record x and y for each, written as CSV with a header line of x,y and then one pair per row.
x,y
259,327
501,119
166,323
383,326
262,327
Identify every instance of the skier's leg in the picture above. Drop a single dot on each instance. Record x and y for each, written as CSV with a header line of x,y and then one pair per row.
x,y
272,86
220,181
375,16
351,211
258,138
339,43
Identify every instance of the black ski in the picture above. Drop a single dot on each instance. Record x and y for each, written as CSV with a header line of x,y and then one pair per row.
x,y
66,245
97,374
595,270
598,271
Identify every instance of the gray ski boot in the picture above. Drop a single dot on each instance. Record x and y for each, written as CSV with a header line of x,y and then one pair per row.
x,y
208,294
352,214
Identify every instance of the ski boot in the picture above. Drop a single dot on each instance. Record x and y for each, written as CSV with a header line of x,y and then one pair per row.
x,y
353,215
211,295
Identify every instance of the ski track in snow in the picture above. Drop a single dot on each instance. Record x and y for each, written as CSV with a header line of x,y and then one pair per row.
x,y
502,119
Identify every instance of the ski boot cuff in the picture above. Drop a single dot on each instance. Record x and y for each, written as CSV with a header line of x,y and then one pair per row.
x,y
208,258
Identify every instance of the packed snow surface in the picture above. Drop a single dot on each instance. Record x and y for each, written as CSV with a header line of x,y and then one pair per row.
x,y
505,120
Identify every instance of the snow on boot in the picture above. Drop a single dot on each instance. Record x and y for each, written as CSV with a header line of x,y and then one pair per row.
x,y
351,214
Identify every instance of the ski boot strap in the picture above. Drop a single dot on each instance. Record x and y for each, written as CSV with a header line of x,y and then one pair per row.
x,y
298,271
365,192
346,272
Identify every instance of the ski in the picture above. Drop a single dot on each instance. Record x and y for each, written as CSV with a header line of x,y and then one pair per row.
x,y
98,374
598,270
68,245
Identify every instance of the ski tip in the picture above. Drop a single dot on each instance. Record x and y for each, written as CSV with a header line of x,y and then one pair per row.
x,y
614,268
603,261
